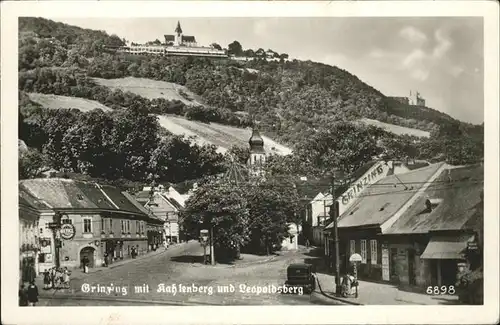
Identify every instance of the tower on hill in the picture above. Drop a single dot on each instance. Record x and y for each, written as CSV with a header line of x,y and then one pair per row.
x,y
179,39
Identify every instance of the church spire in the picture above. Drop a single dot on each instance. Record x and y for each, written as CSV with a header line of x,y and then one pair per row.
x,y
178,29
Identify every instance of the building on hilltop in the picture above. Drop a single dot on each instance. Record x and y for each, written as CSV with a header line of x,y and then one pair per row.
x,y
415,99
177,44
179,39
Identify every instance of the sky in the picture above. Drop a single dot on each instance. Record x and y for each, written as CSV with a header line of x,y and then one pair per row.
x,y
442,58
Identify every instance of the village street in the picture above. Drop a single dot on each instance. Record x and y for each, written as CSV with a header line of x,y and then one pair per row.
x,y
180,266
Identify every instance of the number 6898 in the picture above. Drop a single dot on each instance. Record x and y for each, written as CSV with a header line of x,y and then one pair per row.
x,y
442,290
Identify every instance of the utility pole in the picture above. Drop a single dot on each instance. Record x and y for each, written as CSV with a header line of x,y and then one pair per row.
x,y
55,226
334,214
212,252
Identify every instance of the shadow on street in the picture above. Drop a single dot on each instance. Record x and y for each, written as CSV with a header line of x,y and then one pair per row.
x,y
187,258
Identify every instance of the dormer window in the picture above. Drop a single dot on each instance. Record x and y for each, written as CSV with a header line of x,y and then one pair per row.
x,y
432,203
79,197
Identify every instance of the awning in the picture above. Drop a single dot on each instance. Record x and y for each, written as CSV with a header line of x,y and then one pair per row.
x,y
447,247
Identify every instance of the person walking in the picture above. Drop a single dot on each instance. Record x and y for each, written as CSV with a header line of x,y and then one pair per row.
x,y
46,280
32,293
85,263
106,259
66,274
23,296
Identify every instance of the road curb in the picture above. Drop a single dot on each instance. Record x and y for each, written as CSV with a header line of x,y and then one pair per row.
x,y
223,266
137,301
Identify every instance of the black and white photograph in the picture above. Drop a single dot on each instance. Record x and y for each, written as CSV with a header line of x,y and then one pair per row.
x,y
217,160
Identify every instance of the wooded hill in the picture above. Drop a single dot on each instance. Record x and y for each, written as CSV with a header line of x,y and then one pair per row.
x,y
290,101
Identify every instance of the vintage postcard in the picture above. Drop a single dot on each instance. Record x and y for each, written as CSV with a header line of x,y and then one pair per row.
x,y
199,160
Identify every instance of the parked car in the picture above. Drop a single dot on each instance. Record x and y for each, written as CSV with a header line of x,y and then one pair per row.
x,y
301,275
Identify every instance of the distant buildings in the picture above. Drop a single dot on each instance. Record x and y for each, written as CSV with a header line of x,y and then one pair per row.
x,y
415,99
177,44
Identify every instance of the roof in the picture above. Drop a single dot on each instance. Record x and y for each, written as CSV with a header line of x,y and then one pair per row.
x,y
460,190
169,38
120,200
25,198
174,202
186,38
61,193
139,206
381,200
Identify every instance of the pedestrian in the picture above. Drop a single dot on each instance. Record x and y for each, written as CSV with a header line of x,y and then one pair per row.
x,y
23,296
307,243
85,263
32,293
106,259
66,274
46,280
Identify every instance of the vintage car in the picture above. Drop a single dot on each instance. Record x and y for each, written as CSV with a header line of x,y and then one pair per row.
x,y
301,275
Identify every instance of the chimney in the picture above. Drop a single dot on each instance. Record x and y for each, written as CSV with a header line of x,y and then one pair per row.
x,y
432,203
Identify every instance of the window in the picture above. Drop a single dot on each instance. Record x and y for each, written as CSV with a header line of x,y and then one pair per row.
x,y
128,226
87,225
137,227
110,225
103,225
123,225
352,247
363,251
373,250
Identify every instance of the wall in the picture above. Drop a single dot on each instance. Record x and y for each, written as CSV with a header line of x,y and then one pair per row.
x,y
422,267
292,242
366,269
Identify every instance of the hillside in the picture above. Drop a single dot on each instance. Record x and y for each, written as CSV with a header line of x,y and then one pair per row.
x,y
216,100
57,101
151,89
399,130
223,136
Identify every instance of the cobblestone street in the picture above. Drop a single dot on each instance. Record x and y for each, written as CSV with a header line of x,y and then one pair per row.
x,y
177,267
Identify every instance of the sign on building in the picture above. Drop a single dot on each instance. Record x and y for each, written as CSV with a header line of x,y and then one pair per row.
x,y
67,231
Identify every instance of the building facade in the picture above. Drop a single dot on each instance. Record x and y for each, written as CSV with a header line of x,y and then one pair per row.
x,y
95,220
177,44
413,229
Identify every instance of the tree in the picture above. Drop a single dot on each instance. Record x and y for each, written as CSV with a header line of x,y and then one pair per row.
x,y
235,48
240,154
344,145
31,164
223,209
216,46
273,206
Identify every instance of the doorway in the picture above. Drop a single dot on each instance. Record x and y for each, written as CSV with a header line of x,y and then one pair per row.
x,y
89,252
412,280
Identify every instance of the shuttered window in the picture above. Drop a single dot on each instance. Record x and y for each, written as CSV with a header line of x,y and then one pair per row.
x,y
373,251
363,251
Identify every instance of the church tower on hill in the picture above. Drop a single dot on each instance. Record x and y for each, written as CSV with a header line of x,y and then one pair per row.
x,y
178,34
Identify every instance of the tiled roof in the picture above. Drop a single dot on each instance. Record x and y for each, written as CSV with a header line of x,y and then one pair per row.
x,y
186,38
60,193
460,191
169,38
119,199
139,206
385,197
25,198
